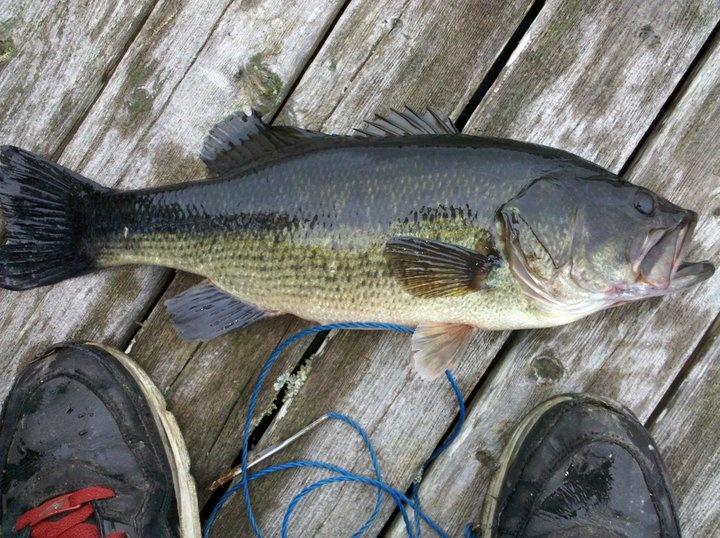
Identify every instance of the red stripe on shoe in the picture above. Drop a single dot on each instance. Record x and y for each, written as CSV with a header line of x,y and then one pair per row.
x,y
71,525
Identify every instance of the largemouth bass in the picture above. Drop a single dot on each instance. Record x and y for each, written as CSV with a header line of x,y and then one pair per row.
x,y
409,222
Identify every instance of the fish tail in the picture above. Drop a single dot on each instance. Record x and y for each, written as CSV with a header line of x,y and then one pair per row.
x,y
47,211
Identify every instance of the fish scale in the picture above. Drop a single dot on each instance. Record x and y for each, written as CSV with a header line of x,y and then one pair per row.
x,y
413,224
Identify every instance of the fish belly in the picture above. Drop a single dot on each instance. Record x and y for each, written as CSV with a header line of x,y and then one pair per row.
x,y
306,235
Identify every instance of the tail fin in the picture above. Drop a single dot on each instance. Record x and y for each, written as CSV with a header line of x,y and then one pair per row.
x,y
46,210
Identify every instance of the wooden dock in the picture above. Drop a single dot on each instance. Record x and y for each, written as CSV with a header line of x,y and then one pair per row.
x,y
125,91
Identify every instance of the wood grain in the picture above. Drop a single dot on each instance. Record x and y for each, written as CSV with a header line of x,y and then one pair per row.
x,y
397,53
686,435
592,77
631,354
181,75
52,69
346,507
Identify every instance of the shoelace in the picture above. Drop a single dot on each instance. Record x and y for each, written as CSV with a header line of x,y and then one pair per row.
x,y
78,509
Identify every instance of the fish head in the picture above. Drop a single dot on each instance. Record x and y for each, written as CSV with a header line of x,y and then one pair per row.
x,y
578,245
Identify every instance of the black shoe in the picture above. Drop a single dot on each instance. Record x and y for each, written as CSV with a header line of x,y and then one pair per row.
x,y
87,446
579,466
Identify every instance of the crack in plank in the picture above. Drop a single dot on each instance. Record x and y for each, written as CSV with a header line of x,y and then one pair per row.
x,y
673,99
693,359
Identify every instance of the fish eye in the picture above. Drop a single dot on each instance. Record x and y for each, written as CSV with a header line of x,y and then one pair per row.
x,y
644,202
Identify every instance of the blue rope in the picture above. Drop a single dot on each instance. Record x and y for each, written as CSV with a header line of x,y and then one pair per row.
x,y
342,475
376,467
439,450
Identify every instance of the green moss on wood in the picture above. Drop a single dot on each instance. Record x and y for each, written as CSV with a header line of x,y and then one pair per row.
x,y
139,94
262,84
139,102
7,50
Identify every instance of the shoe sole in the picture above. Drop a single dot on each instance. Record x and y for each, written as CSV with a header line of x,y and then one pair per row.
x,y
510,452
173,442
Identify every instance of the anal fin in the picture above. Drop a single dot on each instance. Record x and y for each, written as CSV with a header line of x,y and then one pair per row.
x,y
204,312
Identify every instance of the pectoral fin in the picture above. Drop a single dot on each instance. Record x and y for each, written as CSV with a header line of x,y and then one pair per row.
x,y
428,268
437,346
205,311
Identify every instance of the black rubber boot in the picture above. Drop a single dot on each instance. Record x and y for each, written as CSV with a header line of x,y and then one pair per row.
x,y
580,466
87,446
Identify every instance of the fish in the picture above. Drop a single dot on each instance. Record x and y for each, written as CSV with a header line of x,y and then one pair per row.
x,y
407,221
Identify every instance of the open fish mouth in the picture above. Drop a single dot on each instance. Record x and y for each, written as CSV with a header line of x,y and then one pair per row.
x,y
662,266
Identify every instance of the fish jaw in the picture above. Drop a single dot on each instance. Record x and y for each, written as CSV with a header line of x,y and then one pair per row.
x,y
661,269
655,267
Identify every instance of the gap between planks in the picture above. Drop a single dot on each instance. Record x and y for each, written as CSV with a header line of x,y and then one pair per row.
x,y
672,100
499,64
487,82
702,347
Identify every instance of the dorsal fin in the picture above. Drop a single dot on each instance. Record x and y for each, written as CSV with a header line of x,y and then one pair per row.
x,y
241,140
408,122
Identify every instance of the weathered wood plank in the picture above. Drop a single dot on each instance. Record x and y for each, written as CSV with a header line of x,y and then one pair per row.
x,y
593,72
686,435
394,53
208,385
631,354
347,508
186,70
359,17
51,70
688,430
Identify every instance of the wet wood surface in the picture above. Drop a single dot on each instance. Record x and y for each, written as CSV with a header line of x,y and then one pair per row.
x,y
124,92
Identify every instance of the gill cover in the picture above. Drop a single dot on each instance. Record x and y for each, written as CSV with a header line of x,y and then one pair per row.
x,y
580,245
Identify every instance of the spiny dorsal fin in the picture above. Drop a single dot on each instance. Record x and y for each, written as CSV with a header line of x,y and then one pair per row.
x,y
408,122
241,140
429,268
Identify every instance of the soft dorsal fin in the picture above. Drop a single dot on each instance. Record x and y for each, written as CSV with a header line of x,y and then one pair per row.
x,y
407,123
429,268
241,140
